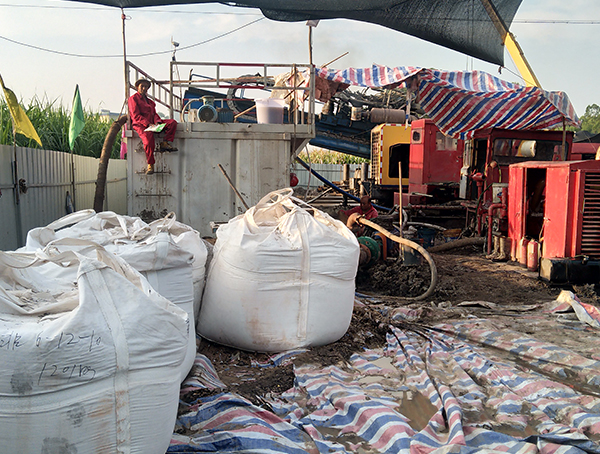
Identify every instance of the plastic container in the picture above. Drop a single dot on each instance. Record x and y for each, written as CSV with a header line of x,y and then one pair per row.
x,y
522,251
427,235
513,250
411,256
532,256
269,111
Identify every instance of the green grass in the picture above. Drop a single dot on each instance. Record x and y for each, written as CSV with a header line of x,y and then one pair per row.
x,y
51,121
323,156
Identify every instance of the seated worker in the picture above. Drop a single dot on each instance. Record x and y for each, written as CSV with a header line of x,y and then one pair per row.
x,y
364,209
142,112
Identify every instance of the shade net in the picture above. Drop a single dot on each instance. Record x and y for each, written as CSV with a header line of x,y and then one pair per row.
x,y
462,25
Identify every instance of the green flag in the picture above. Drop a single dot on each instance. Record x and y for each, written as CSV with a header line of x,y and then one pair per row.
x,y
21,123
77,121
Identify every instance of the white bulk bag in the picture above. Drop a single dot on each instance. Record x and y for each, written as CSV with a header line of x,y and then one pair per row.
x,y
89,359
282,277
171,255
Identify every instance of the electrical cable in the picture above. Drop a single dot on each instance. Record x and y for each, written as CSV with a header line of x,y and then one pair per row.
x,y
68,54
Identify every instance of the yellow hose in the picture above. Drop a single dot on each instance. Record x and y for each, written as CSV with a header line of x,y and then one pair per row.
x,y
412,245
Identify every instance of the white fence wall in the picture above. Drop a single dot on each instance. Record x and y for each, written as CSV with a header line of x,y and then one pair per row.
x,y
46,178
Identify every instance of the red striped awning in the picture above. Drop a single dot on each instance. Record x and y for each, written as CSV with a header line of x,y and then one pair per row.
x,y
461,102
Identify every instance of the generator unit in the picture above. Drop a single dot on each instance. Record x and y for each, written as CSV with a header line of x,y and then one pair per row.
x,y
554,213
390,153
435,163
429,161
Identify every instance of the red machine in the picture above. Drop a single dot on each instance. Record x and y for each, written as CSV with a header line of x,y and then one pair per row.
x,y
435,163
555,206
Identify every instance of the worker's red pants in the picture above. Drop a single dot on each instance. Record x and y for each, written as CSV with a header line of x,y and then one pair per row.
x,y
148,137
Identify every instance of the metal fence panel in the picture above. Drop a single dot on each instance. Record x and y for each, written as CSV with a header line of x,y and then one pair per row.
x,y
8,208
332,172
115,197
46,178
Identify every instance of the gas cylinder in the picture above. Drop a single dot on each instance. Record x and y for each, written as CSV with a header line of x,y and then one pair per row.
x,y
522,251
532,256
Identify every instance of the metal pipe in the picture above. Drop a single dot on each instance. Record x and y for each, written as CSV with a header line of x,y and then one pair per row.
x,y
364,175
326,191
425,224
346,173
491,209
412,245
232,186
335,187
437,207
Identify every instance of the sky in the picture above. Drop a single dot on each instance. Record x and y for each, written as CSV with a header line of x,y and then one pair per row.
x,y
47,47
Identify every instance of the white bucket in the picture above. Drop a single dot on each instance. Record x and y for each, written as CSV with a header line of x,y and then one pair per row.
x,y
269,111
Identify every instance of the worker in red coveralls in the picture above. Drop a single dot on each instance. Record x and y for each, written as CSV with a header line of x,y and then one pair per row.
x,y
142,112
364,209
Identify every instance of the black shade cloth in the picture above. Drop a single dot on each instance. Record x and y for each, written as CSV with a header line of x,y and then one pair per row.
x,y
462,25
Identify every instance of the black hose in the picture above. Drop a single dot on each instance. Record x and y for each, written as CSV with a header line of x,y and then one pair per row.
x,y
335,187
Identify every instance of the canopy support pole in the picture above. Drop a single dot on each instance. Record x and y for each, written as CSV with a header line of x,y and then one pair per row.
x,y
123,18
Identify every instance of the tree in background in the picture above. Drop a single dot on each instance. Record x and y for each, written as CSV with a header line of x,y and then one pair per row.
x,y
590,121
52,122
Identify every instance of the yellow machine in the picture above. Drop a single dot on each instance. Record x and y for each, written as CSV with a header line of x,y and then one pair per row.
x,y
390,147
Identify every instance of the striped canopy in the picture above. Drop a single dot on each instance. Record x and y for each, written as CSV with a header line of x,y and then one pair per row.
x,y
461,102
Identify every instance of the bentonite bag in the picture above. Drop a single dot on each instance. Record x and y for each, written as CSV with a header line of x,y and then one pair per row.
x,y
171,255
282,276
90,356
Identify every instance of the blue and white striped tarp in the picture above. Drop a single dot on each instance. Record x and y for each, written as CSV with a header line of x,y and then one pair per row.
x,y
461,387
461,102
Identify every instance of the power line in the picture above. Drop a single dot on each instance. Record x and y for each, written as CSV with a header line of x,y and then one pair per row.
x,y
112,9
69,54
555,21
202,42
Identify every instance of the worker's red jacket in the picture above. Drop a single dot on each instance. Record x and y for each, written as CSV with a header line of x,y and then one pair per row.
x,y
370,214
142,111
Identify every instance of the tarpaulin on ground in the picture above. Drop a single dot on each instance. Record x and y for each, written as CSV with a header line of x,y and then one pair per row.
x,y
462,25
462,386
461,102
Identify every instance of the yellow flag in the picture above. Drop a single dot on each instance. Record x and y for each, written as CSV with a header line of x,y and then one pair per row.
x,y
21,122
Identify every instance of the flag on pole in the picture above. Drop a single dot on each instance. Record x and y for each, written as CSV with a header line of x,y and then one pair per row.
x,y
21,123
77,120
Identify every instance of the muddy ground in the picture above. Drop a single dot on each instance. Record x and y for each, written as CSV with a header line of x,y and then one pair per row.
x,y
465,279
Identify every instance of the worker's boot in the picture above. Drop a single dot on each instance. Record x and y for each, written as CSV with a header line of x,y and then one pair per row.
x,y
494,252
166,146
150,169
503,255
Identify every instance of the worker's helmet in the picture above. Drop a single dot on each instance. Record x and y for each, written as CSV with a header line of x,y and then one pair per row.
x,y
142,81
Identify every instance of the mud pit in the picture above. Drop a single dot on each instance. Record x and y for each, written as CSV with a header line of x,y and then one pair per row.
x,y
464,275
